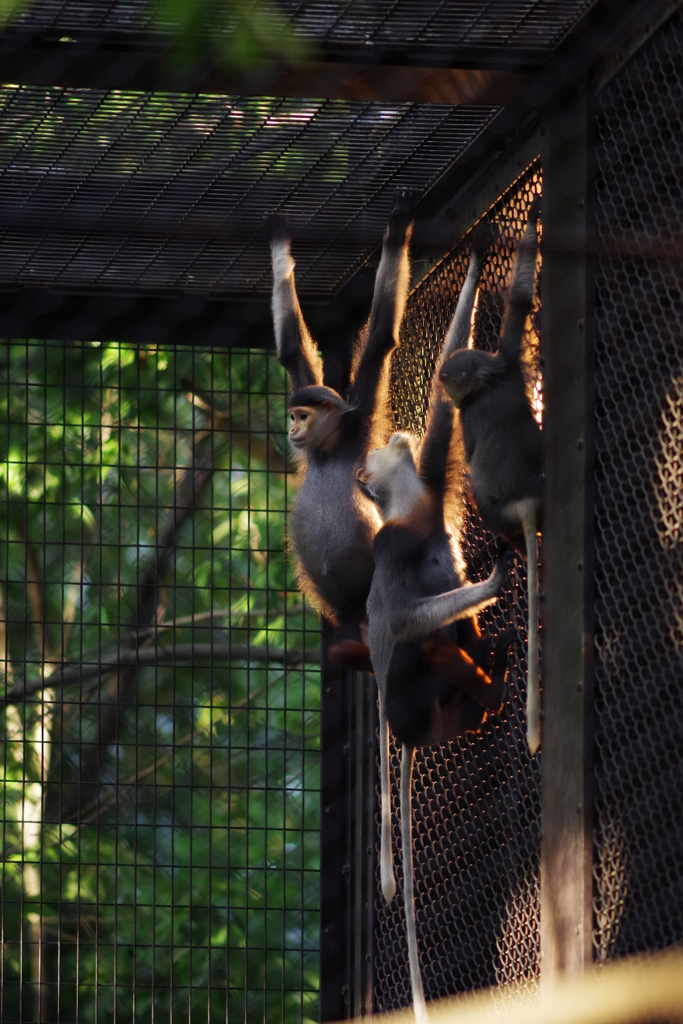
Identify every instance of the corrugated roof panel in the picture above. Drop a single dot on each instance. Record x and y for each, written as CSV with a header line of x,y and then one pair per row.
x,y
156,191
532,25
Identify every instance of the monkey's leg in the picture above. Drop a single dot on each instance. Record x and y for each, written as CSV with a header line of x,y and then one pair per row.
x,y
427,614
458,668
533,700
419,1005
386,859
351,654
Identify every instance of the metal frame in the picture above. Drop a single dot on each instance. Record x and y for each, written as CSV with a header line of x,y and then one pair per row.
x,y
566,805
347,848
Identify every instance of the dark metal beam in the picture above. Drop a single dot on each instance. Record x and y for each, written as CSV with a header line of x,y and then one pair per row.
x,y
180,318
126,60
567,292
184,318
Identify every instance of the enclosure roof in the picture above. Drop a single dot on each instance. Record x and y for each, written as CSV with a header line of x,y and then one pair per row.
x,y
523,26
149,191
111,188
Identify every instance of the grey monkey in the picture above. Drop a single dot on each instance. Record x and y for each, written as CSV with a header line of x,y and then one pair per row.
x,y
332,524
424,646
503,442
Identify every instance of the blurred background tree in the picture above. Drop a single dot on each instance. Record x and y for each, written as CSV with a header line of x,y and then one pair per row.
x,y
160,754
235,34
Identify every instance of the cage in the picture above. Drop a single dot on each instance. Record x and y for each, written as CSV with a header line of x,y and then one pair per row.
x,y
190,786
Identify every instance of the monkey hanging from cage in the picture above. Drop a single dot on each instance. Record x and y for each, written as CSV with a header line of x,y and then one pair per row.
x,y
503,441
332,524
425,647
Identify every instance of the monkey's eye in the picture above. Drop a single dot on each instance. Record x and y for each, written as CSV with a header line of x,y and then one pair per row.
x,y
304,417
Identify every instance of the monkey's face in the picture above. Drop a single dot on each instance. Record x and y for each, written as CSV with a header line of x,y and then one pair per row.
x,y
459,375
314,426
383,466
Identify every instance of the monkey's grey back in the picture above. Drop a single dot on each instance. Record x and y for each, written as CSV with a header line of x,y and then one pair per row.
x,y
398,582
503,449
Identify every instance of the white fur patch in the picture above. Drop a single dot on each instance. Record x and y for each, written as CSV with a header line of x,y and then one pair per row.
x,y
283,263
391,473
284,296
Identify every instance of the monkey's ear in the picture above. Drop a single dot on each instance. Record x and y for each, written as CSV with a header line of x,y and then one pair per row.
x,y
328,406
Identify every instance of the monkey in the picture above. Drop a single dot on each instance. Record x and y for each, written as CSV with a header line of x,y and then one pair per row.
x,y
424,645
332,524
503,443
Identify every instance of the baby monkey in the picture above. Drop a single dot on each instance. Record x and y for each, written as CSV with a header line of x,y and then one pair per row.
x,y
503,441
425,648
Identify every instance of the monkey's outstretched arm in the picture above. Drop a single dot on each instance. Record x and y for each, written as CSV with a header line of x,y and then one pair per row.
x,y
461,324
419,1005
388,306
295,348
427,614
436,446
521,298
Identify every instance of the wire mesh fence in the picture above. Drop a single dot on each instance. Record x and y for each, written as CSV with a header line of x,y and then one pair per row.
x,y
639,505
160,727
476,803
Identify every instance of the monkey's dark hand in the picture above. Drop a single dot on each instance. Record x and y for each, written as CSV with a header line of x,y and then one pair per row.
x,y
503,642
535,210
506,553
484,237
278,228
401,215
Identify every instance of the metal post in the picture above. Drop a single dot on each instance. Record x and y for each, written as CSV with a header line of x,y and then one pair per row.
x,y
363,860
566,803
336,794
347,841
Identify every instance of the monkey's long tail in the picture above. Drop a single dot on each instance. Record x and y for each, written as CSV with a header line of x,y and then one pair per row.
x,y
386,859
419,1004
533,700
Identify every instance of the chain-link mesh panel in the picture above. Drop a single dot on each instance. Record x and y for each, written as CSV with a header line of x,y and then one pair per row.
x,y
476,803
639,505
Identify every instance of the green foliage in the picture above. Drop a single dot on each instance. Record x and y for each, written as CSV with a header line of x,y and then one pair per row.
x,y
9,9
189,876
238,34
239,139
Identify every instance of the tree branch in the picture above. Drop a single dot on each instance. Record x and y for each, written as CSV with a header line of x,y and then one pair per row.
x,y
243,436
158,655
